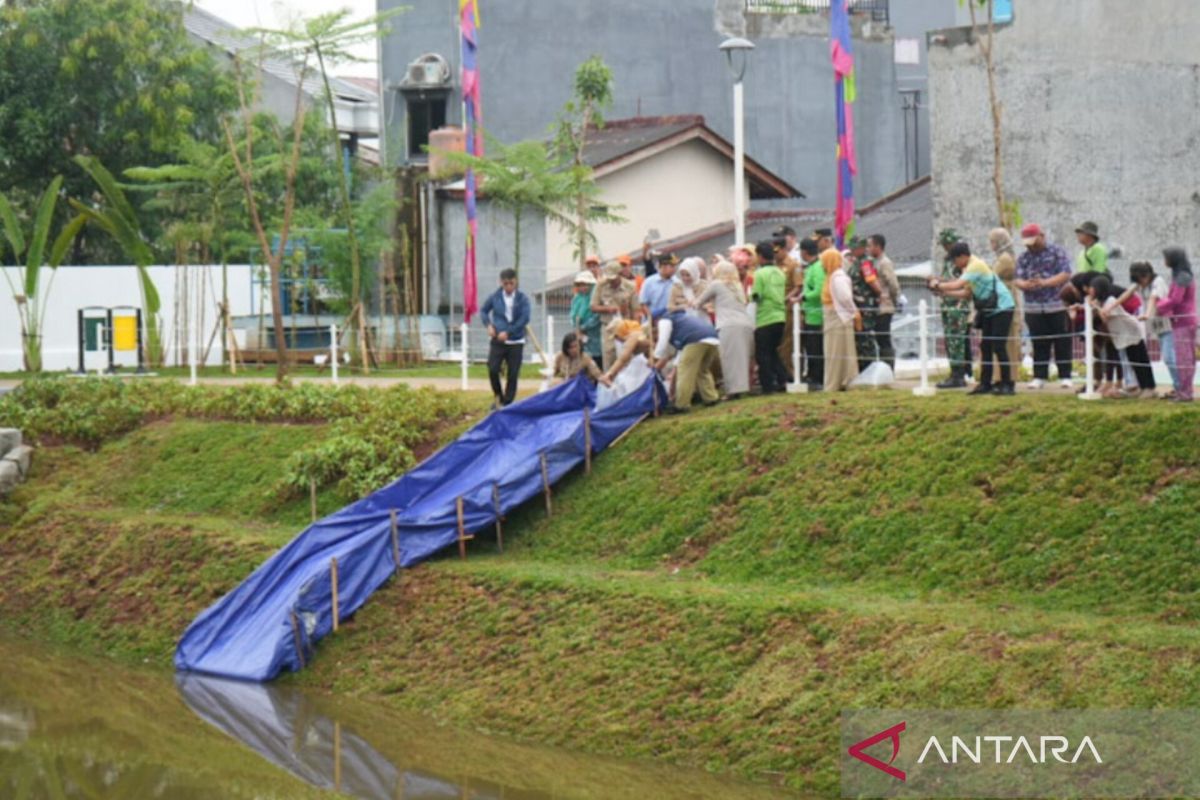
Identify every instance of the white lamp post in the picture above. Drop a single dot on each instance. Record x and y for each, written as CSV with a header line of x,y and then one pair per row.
x,y
736,51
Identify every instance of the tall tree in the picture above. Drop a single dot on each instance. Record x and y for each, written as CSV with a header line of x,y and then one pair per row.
x,y
1005,212
27,291
584,111
117,80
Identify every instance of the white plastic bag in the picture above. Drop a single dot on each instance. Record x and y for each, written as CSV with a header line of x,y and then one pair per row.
x,y
876,376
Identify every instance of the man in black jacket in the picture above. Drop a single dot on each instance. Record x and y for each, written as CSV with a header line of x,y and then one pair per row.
x,y
506,315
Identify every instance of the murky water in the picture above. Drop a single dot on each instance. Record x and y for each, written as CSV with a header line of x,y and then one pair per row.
x,y
77,728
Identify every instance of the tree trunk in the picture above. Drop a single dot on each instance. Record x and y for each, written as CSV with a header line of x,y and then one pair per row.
x,y
986,49
517,239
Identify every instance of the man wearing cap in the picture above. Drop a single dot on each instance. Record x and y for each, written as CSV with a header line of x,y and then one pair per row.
x,y
824,237
614,298
865,282
956,319
585,321
1094,256
814,315
792,242
506,315
1041,272
657,288
627,271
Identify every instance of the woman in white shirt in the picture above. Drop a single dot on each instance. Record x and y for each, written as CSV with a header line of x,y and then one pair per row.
x,y
1125,332
1151,288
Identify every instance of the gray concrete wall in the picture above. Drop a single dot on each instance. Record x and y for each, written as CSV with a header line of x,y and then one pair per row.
x,y
665,61
1101,123
494,253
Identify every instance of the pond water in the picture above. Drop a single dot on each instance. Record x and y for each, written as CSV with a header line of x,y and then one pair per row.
x,y
72,727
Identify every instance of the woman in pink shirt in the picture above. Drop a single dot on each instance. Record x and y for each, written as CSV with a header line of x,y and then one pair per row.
x,y
1180,307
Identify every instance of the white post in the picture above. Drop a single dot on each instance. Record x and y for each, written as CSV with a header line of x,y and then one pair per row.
x,y
796,386
333,352
739,164
924,390
1089,356
193,331
464,356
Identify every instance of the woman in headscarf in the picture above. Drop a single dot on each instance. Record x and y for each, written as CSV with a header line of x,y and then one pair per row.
x,y
735,327
841,318
687,287
1180,307
1006,270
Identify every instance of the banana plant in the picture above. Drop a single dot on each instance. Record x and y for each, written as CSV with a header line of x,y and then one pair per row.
x,y
27,291
119,222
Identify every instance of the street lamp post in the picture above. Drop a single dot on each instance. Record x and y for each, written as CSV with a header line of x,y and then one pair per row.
x,y
736,50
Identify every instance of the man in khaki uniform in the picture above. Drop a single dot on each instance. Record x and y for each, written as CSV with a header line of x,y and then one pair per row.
x,y
615,298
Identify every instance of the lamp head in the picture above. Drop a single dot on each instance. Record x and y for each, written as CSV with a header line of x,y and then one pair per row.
x,y
736,51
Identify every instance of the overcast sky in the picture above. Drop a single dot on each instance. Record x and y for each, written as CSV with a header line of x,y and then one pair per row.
x,y
279,13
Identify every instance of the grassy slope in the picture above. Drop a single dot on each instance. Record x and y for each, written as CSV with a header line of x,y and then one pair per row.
x,y
715,593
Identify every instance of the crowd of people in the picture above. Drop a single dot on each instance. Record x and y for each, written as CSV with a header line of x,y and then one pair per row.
x,y
716,328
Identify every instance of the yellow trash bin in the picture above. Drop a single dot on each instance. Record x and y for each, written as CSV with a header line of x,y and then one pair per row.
x,y
125,333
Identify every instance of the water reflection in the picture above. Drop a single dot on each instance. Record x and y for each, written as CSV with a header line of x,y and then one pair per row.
x,y
77,728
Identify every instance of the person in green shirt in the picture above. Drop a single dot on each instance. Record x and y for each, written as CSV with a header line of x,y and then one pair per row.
x,y
1094,256
768,291
814,315
585,321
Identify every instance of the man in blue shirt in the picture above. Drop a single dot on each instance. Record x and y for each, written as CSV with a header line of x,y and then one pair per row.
x,y
698,346
657,290
506,315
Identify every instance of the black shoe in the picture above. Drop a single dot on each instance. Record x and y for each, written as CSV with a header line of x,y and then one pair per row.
x,y
1006,389
983,388
710,403
953,382
816,387
672,410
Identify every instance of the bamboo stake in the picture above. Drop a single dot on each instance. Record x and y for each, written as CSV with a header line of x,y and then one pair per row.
x,y
496,503
312,497
333,580
587,441
546,484
395,541
462,538
337,756
654,395
296,638
628,430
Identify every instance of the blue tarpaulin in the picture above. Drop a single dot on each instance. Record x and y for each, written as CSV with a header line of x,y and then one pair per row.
x,y
252,632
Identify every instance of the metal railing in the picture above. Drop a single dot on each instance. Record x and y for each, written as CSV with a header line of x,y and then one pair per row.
x,y
878,9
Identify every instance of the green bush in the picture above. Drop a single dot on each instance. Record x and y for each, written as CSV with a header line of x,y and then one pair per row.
x,y
374,431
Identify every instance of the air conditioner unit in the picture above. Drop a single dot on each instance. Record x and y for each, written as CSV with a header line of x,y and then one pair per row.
x,y
427,71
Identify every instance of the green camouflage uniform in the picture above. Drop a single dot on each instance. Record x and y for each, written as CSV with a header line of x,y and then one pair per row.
x,y
956,325
868,305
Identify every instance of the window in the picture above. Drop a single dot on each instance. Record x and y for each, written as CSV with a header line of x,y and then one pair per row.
x,y
425,115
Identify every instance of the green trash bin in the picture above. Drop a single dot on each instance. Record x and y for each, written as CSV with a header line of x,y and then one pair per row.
x,y
93,328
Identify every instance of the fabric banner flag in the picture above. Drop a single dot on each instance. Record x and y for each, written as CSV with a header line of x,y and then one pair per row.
x,y
842,53
468,11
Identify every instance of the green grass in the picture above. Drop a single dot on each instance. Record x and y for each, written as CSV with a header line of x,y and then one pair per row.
x,y
718,590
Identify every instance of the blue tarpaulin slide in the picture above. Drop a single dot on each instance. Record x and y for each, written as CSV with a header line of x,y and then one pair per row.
x,y
272,620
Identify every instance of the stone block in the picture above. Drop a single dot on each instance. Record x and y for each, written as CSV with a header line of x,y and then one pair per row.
x,y
22,456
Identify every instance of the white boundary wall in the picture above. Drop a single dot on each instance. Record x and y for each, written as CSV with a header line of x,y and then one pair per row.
x,y
76,287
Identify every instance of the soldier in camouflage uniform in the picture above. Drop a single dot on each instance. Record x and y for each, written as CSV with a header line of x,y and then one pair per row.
x,y
956,321
862,273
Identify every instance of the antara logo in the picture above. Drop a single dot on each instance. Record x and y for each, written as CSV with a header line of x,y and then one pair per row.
x,y
892,733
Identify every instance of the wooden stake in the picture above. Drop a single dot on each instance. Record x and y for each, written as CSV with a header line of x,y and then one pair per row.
x,y
337,756
333,580
546,483
496,503
462,541
395,541
654,395
628,430
296,638
312,497
587,441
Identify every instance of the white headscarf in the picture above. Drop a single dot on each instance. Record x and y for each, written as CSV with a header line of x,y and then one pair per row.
x,y
692,266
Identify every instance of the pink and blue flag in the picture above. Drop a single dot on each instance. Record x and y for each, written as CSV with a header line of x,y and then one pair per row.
x,y
468,11
842,53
